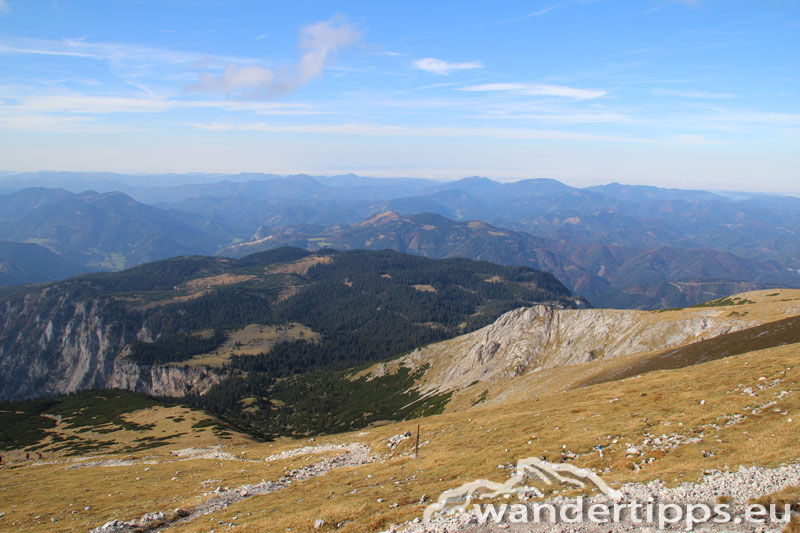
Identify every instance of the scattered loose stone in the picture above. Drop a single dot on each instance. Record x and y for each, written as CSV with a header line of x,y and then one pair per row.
x,y
355,454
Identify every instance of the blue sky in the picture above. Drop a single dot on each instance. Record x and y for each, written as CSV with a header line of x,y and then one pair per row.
x,y
673,93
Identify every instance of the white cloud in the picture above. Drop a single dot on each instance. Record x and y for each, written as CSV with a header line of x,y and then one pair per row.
x,y
4,7
143,88
444,68
599,117
692,94
538,89
454,132
532,14
116,53
96,105
47,123
5,49
235,78
669,3
765,117
320,43
691,138
541,12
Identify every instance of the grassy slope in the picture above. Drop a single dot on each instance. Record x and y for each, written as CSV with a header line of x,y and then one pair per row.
x,y
468,445
102,421
459,447
252,339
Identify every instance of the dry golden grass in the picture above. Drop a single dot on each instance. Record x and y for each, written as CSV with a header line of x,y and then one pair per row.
x,y
793,526
457,447
299,267
251,340
424,288
215,281
175,299
469,445
380,218
34,492
789,496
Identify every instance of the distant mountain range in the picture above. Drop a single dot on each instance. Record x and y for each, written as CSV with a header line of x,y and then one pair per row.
x,y
104,231
622,245
605,274
31,263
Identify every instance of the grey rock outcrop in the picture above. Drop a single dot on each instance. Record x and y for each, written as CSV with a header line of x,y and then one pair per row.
x,y
541,337
162,380
54,343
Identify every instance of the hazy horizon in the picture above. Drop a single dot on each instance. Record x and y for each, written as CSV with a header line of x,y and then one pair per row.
x,y
214,177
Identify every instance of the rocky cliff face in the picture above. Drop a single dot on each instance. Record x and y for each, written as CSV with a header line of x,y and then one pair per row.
x,y
55,343
162,380
543,337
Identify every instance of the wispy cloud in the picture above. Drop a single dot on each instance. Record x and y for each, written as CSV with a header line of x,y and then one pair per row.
x,y
763,117
639,51
455,132
433,86
691,138
77,104
692,94
5,49
600,117
532,14
538,89
4,7
49,123
143,88
114,53
668,3
320,43
540,12
444,68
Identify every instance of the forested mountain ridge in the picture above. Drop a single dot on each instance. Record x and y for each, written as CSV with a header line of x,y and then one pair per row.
x,y
105,231
224,330
31,263
606,274
425,234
